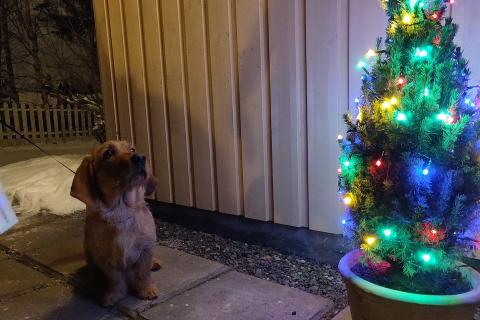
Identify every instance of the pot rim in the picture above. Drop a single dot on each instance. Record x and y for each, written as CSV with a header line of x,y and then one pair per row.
x,y
470,297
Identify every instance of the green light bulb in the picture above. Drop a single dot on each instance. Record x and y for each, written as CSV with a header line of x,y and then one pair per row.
x,y
426,257
387,232
401,116
361,64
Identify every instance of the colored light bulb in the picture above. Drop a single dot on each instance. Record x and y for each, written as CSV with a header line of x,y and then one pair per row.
x,y
434,231
422,53
452,1
344,222
426,257
371,53
426,92
346,163
393,101
407,19
401,116
442,116
378,163
339,137
467,101
347,200
387,232
386,105
402,81
425,172
370,240
339,170
357,100
361,64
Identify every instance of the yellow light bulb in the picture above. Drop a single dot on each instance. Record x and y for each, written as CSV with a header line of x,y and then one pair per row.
x,y
407,18
394,101
371,53
370,240
386,105
347,200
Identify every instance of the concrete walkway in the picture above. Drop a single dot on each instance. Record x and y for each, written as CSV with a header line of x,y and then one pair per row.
x,y
43,277
27,151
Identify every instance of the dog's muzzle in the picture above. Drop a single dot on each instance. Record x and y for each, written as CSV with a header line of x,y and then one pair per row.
x,y
138,162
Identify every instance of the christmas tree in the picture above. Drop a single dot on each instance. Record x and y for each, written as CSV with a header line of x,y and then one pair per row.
x,y
409,174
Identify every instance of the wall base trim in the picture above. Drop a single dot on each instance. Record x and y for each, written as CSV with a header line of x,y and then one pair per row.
x,y
319,246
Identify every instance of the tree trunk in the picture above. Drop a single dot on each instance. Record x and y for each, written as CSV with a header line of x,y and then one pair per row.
x,y
10,74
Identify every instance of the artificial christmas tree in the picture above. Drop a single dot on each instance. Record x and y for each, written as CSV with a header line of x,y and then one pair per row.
x,y
409,173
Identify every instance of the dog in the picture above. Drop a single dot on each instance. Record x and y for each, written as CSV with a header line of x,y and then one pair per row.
x,y
119,228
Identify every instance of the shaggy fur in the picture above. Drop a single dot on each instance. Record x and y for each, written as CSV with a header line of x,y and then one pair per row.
x,y
119,229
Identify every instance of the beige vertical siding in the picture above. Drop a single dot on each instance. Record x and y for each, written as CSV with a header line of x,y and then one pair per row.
x,y
237,103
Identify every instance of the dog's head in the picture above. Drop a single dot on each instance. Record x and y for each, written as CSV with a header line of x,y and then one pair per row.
x,y
110,170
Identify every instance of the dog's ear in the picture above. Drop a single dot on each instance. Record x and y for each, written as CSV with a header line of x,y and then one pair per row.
x,y
151,181
83,185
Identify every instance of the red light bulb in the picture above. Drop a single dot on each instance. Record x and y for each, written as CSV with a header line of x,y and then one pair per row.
x,y
378,163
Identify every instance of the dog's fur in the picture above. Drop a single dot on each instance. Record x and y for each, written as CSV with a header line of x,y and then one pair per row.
x,y
119,229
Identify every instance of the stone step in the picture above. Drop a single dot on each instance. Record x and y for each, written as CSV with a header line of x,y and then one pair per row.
x,y
236,296
190,287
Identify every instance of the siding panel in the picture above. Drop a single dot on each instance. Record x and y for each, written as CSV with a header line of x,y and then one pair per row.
x,y
155,79
252,42
288,101
199,102
178,108
224,90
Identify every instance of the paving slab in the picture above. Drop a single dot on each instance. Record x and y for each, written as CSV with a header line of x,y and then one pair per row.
x,y
55,303
27,240
236,296
58,245
343,315
180,271
16,278
3,256
31,221
66,256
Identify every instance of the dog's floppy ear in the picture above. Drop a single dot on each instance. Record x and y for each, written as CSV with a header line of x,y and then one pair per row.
x,y
83,185
151,181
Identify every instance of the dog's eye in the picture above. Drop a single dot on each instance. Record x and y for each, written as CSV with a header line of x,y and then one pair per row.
x,y
107,154
132,149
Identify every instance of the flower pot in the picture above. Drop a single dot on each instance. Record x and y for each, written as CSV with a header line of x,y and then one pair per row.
x,y
369,301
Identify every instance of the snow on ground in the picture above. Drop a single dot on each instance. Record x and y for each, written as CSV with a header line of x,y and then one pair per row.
x,y
41,184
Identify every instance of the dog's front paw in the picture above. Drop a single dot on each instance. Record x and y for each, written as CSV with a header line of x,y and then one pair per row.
x,y
111,298
150,292
156,265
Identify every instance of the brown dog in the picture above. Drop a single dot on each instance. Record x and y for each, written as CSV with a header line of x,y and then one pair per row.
x,y
119,229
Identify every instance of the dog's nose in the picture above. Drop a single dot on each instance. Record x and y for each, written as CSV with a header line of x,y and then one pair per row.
x,y
138,160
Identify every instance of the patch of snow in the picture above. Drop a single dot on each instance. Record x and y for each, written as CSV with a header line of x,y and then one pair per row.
x,y
7,216
41,184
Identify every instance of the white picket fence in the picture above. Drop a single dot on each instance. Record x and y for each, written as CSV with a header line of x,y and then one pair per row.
x,y
46,124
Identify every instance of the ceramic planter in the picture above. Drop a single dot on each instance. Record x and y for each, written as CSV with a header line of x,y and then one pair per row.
x,y
369,301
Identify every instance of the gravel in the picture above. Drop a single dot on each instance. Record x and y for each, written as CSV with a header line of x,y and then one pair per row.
x,y
262,262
